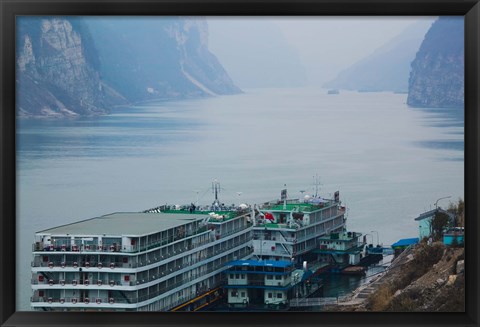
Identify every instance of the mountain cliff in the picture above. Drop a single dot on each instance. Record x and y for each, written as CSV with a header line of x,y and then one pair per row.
x,y
83,66
150,58
437,75
56,75
388,67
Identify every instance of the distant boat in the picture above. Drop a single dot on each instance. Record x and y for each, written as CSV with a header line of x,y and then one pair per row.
x,y
334,91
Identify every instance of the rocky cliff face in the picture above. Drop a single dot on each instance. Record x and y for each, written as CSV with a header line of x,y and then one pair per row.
x,y
54,76
437,74
151,58
198,64
426,278
84,66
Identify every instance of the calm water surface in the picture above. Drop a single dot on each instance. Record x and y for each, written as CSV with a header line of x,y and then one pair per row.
x,y
389,162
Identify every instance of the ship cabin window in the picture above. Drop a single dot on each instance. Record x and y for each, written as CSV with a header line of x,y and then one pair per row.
x,y
237,276
270,295
269,277
278,277
242,276
243,294
279,295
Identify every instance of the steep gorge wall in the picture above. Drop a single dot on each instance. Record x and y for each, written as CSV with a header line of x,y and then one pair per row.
x,y
150,58
79,66
437,74
54,76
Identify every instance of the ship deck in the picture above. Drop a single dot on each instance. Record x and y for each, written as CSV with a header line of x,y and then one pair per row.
x,y
124,223
298,207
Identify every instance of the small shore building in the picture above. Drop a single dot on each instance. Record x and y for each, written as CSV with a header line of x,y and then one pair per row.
x,y
454,236
402,244
425,222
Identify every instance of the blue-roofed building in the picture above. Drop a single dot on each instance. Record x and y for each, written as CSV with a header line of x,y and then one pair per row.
x,y
404,243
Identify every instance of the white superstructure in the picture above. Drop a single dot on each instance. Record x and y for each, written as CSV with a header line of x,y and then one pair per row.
x,y
289,229
136,261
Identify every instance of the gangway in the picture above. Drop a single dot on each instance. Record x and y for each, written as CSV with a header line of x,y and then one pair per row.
x,y
318,301
207,297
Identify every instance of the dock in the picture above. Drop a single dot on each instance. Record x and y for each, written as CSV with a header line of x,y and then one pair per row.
x,y
315,302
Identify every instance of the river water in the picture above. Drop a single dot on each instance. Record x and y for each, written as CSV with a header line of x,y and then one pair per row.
x,y
389,162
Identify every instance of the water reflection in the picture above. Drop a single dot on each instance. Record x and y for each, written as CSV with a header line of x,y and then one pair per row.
x,y
452,122
127,134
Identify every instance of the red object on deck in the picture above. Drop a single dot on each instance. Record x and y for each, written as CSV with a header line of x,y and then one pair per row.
x,y
269,216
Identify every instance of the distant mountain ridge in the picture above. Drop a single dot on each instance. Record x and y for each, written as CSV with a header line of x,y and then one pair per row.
x,y
69,66
388,67
437,76
256,53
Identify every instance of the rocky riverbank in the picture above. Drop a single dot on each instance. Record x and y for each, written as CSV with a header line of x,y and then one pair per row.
x,y
424,278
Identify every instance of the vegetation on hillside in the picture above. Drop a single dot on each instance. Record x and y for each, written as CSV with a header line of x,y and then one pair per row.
x,y
458,210
425,279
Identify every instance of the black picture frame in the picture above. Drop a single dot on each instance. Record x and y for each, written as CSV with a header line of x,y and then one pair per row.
x,y
470,9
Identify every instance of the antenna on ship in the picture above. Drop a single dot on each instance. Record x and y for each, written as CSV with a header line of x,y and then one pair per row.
x,y
283,197
216,190
316,183
196,191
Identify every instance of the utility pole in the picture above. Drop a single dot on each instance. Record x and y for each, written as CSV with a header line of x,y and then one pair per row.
x,y
446,197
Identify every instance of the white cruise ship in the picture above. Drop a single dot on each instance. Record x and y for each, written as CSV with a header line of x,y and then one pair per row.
x,y
290,229
287,236
152,261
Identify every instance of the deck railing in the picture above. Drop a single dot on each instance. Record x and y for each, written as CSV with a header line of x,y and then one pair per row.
x,y
69,282
58,249
126,298
112,265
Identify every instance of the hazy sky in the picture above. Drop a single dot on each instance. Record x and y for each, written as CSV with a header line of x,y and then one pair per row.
x,y
327,45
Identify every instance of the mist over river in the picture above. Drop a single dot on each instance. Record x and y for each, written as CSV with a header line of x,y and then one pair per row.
x,y
389,162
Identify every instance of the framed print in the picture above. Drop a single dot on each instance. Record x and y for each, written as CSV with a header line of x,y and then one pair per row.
x,y
209,162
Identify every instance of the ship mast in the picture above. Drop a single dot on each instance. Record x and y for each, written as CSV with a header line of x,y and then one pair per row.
x,y
316,183
216,190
